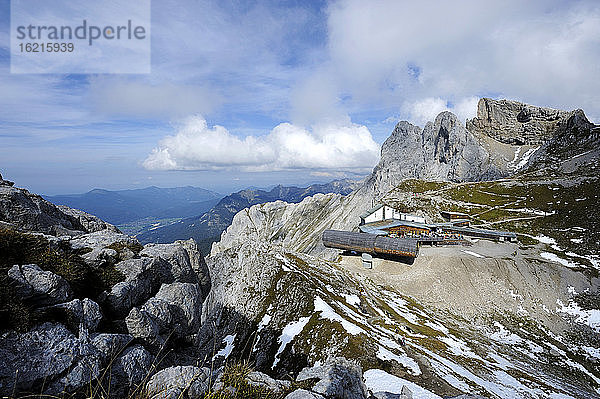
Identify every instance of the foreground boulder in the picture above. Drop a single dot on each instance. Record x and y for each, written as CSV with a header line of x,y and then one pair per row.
x,y
26,360
338,378
176,308
258,379
38,286
78,313
184,382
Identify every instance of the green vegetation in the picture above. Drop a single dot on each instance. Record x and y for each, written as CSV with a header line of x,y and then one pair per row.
x,y
119,246
18,248
421,186
234,376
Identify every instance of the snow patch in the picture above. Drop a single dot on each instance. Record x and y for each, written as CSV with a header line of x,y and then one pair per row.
x,y
589,317
555,258
352,299
288,334
475,254
327,312
226,351
459,348
504,336
403,360
380,381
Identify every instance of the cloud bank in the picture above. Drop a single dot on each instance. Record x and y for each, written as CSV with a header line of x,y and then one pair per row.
x,y
196,146
389,53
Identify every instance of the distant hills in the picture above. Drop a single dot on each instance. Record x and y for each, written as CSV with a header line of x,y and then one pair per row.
x,y
207,227
127,206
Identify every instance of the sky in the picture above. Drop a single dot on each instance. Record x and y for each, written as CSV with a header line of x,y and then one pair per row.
x,y
245,93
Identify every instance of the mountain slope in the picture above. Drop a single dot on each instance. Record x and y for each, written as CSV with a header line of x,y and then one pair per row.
x,y
207,228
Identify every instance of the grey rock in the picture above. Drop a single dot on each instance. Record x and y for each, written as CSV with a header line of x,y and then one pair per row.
x,y
176,256
442,150
175,308
110,345
40,354
405,393
100,256
198,265
140,325
130,369
303,394
185,381
5,182
256,378
84,312
102,239
142,279
337,378
89,222
41,287
30,212
512,122
186,300
80,375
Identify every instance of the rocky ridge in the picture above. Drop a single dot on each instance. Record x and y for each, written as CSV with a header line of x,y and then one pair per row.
x,y
29,212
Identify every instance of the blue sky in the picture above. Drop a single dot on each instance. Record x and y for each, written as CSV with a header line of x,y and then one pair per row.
x,y
259,93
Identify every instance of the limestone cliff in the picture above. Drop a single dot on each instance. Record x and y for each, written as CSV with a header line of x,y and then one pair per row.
x,y
512,122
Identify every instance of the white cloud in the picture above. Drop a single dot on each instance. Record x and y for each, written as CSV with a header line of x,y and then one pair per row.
x,y
424,110
195,146
541,52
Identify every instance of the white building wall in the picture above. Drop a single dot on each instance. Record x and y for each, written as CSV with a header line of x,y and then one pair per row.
x,y
386,212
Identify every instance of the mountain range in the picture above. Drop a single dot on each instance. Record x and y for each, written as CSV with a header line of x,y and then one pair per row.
x,y
125,206
207,227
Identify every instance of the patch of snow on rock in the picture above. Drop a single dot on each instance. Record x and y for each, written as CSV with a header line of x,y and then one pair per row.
x,y
288,334
352,299
555,258
403,360
226,351
589,317
380,381
327,312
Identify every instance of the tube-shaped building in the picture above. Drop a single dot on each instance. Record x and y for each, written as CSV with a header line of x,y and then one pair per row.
x,y
370,243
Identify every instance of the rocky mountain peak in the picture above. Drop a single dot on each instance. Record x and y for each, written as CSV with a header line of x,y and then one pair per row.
x,y
512,122
443,150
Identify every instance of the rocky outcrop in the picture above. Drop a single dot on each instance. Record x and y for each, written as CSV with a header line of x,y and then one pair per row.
x,y
29,212
258,379
79,339
175,309
512,122
573,149
42,353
